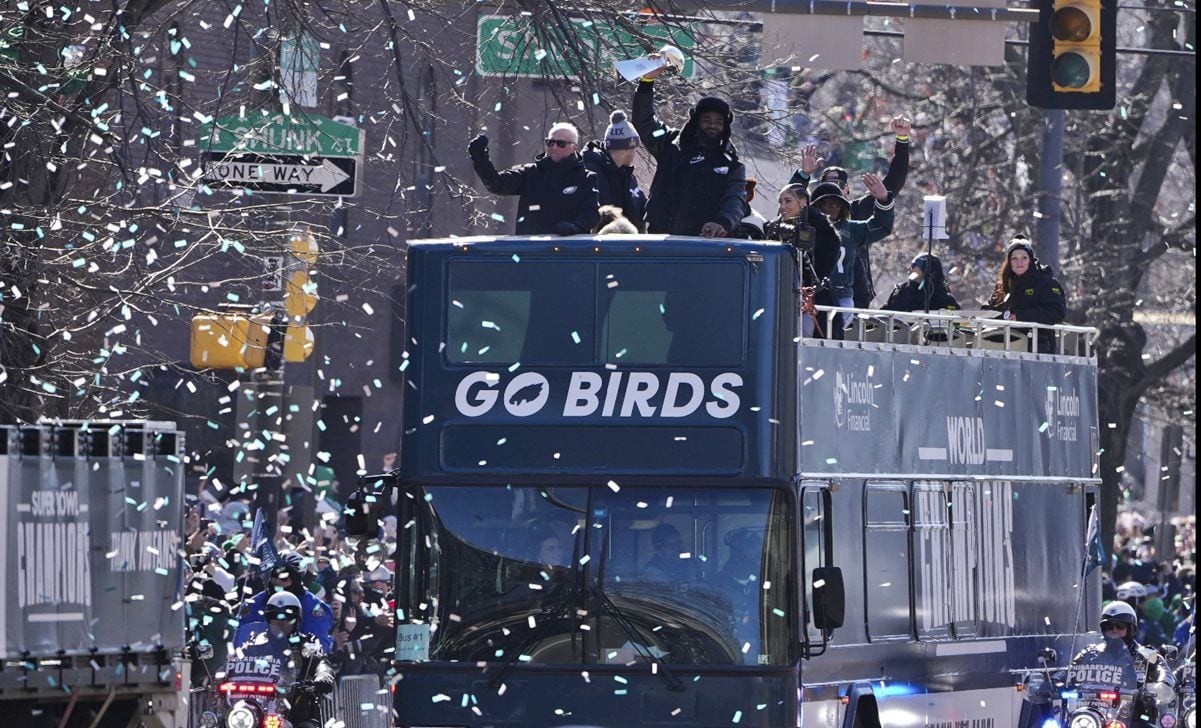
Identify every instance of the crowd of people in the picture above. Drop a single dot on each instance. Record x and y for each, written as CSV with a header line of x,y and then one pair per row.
x,y
700,188
1160,587
339,590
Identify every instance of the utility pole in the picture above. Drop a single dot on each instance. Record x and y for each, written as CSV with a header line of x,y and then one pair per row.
x,y
1050,188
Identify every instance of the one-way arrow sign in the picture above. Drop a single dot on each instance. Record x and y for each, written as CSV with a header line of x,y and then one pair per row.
x,y
282,173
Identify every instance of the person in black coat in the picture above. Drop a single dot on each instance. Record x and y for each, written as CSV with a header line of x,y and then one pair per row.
x,y
699,186
1027,291
612,161
863,207
924,290
558,193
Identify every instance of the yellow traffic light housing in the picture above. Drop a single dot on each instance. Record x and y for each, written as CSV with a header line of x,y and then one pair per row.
x,y
1076,30
229,341
1072,55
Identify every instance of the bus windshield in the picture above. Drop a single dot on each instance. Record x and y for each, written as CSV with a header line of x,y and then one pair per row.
x,y
604,575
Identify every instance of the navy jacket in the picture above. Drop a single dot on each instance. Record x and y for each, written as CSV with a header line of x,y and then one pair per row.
x,y
557,198
616,185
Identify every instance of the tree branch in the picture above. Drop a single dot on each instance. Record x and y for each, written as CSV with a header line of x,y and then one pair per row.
x,y
1162,367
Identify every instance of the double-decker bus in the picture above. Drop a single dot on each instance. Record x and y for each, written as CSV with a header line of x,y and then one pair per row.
x,y
630,494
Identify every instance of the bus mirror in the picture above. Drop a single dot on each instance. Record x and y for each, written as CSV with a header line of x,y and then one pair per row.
x,y
829,599
363,508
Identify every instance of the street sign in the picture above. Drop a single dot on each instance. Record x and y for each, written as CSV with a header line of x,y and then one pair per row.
x,y
284,173
301,154
515,46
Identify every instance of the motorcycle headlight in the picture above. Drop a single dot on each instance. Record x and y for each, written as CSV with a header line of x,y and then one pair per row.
x,y
240,717
1084,719
1163,694
1190,718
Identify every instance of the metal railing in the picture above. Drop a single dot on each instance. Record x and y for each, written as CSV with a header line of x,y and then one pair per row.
x,y
979,330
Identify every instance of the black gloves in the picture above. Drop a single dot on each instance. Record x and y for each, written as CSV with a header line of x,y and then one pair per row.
x,y
566,228
478,147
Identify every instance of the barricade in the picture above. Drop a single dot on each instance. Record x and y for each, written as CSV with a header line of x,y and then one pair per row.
x,y
360,701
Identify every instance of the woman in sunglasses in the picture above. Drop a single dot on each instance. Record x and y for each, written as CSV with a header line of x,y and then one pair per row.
x,y
558,194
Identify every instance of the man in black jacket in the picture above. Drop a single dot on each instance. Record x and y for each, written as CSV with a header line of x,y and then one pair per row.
x,y
924,290
613,163
862,207
558,194
699,186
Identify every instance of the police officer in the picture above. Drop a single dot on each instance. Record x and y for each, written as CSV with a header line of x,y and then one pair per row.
x,y
305,673
315,615
1118,624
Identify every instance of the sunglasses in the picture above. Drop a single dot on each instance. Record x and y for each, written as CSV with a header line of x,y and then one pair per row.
x,y
560,143
1112,626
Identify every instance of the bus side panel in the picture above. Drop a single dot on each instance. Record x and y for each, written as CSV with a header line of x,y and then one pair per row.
x,y
453,696
986,588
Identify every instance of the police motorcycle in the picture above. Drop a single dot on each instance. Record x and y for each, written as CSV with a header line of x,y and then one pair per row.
x,y
256,689
1112,684
1186,691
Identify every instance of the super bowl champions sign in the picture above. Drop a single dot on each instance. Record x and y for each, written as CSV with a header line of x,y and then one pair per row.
x,y
91,554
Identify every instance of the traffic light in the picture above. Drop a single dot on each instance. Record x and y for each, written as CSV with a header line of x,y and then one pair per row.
x,y
300,297
229,341
1072,58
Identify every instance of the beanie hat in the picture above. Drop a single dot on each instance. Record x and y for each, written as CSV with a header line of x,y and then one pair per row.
x,y
1020,242
621,133
828,189
712,103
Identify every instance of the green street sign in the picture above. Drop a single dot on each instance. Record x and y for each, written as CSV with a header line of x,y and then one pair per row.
x,y
513,46
305,135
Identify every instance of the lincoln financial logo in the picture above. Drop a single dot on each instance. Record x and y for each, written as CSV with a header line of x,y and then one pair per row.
x,y
854,399
1063,413
619,394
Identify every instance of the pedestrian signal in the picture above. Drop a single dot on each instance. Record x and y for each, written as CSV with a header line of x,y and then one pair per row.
x,y
1071,62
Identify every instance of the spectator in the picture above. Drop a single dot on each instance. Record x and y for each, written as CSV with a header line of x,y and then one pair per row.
x,y
612,161
752,225
862,208
853,235
924,290
1028,291
558,194
699,186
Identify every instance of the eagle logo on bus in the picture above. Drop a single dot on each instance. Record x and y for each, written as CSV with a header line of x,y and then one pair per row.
x,y
612,394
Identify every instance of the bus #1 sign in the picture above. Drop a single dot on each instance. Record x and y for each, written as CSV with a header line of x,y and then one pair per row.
x,y
589,394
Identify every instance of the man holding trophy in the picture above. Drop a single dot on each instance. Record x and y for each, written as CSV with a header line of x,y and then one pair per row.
x,y
699,186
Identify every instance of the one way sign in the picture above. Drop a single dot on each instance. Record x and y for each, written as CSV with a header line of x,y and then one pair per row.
x,y
302,154
282,173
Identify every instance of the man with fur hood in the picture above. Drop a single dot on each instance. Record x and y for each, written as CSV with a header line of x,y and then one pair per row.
x,y
699,186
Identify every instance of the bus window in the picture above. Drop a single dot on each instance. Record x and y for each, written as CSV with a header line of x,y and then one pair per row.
x,y
690,577
692,314
933,559
493,304
814,537
886,561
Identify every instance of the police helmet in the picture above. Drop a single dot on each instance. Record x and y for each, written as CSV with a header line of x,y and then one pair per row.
x,y
283,605
1121,613
1131,590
